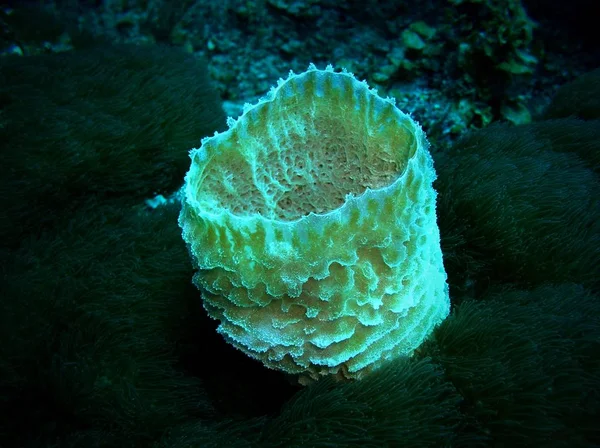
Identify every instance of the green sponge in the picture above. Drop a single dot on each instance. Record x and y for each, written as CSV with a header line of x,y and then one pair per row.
x,y
312,223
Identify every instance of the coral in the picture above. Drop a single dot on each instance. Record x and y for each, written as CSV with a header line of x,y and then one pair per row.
x,y
519,205
579,98
109,121
526,356
96,350
312,224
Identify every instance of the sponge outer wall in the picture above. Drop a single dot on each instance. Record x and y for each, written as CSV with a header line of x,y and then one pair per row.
x,y
312,224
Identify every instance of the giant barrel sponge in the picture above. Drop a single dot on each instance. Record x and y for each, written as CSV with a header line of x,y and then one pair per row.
x,y
311,222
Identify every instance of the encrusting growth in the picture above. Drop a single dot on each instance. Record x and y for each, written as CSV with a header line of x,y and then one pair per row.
x,y
311,222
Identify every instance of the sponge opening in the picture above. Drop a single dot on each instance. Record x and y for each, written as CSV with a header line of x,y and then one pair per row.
x,y
307,156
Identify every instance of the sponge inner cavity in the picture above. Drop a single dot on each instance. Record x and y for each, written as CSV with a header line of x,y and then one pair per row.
x,y
305,157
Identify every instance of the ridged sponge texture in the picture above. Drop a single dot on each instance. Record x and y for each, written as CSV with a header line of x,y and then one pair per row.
x,y
312,224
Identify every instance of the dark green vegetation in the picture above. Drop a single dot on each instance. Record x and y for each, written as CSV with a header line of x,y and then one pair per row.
x,y
520,205
103,338
109,122
580,97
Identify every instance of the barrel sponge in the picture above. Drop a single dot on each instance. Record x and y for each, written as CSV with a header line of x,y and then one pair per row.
x,y
311,222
